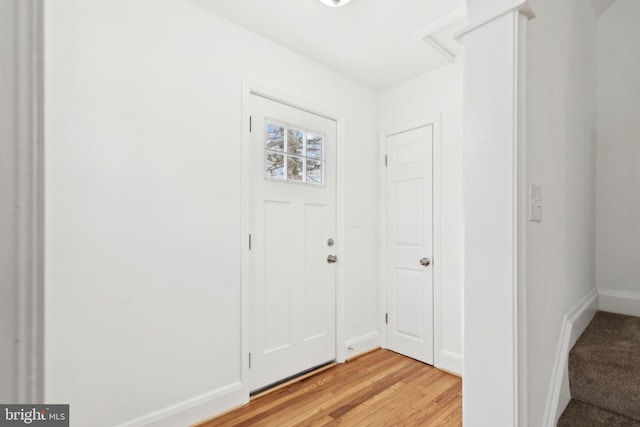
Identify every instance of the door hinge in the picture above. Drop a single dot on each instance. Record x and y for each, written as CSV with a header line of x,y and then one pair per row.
x,y
249,241
385,160
249,123
249,360
386,318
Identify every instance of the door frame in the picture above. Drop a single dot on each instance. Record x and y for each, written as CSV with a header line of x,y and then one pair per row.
x,y
431,120
251,88
22,187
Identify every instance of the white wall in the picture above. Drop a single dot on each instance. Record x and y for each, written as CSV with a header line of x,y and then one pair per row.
x,y
143,132
561,115
433,93
490,182
618,153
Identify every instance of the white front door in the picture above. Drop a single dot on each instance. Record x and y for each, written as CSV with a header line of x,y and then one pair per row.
x,y
410,243
293,224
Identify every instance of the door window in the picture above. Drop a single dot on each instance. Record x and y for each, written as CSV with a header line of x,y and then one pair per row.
x,y
293,154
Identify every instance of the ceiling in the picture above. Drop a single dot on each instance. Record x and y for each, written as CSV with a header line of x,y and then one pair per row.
x,y
380,43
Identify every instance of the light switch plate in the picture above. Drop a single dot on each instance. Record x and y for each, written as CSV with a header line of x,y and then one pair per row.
x,y
535,203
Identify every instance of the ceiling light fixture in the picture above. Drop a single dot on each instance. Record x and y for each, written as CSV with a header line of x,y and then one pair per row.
x,y
335,3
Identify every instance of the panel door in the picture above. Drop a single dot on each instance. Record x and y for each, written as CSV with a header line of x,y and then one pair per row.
x,y
292,283
410,243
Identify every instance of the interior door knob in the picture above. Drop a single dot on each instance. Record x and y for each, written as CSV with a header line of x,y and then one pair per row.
x,y
331,259
425,262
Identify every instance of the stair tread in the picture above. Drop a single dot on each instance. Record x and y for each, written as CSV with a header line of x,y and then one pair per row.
x,y
580,414
604,365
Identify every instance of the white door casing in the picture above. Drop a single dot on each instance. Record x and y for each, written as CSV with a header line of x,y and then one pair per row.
x,y
409,190
292,287
22,195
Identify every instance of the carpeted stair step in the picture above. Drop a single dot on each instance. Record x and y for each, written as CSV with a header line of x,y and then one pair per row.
x,y
604,365
580,414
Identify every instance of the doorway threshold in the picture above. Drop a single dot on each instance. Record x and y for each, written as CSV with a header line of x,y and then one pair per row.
x,y
292,379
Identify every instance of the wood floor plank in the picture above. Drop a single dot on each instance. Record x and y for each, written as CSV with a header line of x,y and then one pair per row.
x,y
381,388
434,401
393,399
300,393
409,407
374,389
347,393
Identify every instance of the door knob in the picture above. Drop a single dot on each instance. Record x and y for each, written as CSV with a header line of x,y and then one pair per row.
x,y
331,259
425,262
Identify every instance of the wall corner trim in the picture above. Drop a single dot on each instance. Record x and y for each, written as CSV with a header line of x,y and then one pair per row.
x,y
521,6
574,323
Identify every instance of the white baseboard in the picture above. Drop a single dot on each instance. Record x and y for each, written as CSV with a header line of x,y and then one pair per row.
x,y
362,344
193,410
619,301
450,362
574,323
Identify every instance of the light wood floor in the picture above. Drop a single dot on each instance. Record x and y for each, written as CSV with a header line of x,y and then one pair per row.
x,y
381,388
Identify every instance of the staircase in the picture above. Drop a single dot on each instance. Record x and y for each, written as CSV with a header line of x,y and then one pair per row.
x,y
604,374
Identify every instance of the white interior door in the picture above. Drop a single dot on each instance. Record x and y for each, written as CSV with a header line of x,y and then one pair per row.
x,y
292,283
410,243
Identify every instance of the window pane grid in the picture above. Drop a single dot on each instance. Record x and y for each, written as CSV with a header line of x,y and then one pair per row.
x,y
293,154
